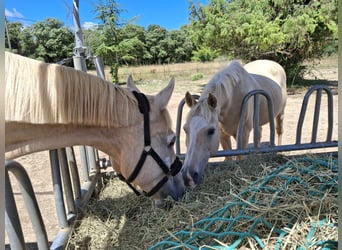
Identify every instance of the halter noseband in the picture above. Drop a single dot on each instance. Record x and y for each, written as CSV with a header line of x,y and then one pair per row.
x,y
176,166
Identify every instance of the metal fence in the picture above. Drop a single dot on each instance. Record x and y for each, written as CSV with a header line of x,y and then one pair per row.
x,y
71,192
314,144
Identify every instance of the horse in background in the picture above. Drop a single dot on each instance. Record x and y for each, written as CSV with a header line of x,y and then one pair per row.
x,y
215,116
50,106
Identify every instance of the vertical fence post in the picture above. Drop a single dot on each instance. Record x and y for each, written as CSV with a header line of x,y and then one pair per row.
x,y
57,188
74,175
65,173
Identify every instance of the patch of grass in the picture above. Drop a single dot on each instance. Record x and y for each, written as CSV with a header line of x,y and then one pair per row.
x,y
196,77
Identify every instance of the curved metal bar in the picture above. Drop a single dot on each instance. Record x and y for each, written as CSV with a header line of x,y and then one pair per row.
x,y
255,116
178,125
179,122
13,224
12,221
316,115
256,120
319,88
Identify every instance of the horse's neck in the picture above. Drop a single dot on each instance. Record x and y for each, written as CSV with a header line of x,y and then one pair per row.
x,y
24,138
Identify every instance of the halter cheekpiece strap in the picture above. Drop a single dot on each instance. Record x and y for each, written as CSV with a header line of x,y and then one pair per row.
x,y
176,166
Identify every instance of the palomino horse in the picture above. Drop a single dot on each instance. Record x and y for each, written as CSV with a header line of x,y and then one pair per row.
x,y
215,116
51,106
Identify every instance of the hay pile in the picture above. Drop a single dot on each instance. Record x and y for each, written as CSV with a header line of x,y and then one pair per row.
x,y
237,203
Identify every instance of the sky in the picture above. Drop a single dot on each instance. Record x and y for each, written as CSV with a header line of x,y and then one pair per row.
x,y
169,14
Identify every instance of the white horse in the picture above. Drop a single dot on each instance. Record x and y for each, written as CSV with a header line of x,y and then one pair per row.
x,y
215,116
51,106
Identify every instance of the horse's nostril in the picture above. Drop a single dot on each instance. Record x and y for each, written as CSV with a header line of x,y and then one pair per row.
x,y
195,177
186,181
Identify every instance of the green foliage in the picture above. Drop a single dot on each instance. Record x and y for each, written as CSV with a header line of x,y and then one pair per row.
x,y
287,31
107,12
204,54
52,40
155,42
180,46
131,47
196,77
12,40
46,40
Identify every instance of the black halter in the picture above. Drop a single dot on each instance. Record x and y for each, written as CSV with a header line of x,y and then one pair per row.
x,y
148,150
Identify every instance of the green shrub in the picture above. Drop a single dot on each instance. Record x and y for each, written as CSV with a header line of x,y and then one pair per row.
x,y
196,77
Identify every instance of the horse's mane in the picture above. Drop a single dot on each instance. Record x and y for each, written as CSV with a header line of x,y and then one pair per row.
x,y
219,85
42,93
220,82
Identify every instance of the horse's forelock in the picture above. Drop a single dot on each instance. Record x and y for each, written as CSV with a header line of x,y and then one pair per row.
x,y
202,108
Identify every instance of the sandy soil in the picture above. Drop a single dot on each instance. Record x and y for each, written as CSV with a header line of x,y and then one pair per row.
x,y
38,166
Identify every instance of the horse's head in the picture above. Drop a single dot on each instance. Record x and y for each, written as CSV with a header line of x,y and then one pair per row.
x,y
153,150
202,137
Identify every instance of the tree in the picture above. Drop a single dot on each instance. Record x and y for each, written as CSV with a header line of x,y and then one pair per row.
x,y
47,40
179,45
131,44
92,37
12,36
108,14
154,35
27,44
287,31
53,42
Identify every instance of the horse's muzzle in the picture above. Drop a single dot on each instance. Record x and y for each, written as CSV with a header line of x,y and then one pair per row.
x,y
191,178
174,187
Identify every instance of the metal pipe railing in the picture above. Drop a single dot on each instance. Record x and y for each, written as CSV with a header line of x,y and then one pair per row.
x,y
256,126
314,144
13,226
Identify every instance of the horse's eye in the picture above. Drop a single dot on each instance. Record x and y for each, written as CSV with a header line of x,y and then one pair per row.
x,y
171,139
211,131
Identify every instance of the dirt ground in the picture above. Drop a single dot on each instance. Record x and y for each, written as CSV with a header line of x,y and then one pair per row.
x,y
38,166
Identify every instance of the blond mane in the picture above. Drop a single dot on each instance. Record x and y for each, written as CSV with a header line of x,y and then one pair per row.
x,y
219,85
42,93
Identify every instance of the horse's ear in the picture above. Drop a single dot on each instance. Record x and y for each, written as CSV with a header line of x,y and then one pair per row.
x,y
163,97
189,99
212,101
131,85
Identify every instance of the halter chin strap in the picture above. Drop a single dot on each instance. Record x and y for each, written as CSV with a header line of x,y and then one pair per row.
x,y
176,166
